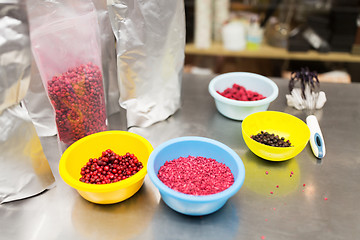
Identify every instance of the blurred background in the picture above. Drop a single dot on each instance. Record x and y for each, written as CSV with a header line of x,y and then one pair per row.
x,y
274,37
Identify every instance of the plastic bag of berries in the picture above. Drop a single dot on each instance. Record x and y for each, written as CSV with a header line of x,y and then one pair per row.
x,y
65,42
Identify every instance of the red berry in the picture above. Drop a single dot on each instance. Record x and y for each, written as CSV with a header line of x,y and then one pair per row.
x,y
107,168
238,92
78,99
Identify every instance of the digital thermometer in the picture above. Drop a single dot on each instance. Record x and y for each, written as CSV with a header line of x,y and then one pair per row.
x,y
316,138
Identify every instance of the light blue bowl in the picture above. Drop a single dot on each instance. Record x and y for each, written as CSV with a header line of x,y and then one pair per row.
x,y
195,146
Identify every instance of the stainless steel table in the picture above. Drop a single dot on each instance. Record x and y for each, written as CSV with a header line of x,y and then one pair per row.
x,y
310,199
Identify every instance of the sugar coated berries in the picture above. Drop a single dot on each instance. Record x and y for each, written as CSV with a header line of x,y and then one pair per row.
x,y
271,139
79,103
237,92
109,168
196,175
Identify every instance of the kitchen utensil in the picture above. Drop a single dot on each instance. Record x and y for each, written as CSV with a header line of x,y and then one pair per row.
x,y
316,138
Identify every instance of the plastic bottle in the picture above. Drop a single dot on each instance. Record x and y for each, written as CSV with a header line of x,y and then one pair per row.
x,y
254,35
234,36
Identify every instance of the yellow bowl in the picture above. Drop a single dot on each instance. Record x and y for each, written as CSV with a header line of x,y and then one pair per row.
x,y
279,123
121,142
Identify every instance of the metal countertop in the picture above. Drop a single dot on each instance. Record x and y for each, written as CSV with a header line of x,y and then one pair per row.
x,y
297,209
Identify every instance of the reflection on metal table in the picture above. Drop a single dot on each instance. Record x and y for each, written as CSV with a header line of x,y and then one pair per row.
x,y
302,198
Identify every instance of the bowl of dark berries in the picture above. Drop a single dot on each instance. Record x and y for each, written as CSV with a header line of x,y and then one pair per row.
x,y
275,136
239,94
195,175
106,167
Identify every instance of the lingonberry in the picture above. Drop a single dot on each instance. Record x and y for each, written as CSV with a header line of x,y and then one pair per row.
x,y
106,168
78,99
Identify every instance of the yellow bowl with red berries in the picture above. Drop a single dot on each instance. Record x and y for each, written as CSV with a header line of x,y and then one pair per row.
x,y
104,155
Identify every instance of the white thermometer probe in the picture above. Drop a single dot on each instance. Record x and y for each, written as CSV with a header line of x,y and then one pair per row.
x,y
316,138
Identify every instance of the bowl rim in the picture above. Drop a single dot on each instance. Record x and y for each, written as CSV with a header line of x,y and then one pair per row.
x,y
227,193
272,112
223,99
96,188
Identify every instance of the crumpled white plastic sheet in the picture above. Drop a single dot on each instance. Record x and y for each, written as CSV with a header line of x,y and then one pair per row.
x,y
14,53
24,169
150,43
312,100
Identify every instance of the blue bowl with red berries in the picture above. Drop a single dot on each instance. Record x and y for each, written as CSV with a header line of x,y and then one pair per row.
x,y
239,94
192,173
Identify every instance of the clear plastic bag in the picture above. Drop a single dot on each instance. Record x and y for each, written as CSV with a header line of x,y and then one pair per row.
x,y
65,41
36,100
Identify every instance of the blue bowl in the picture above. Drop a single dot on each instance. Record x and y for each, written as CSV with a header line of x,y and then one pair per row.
x,y
195,146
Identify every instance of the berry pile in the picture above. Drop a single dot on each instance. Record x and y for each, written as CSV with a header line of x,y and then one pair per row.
x,y
110,168
78,99
196,175
240,93
271,139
